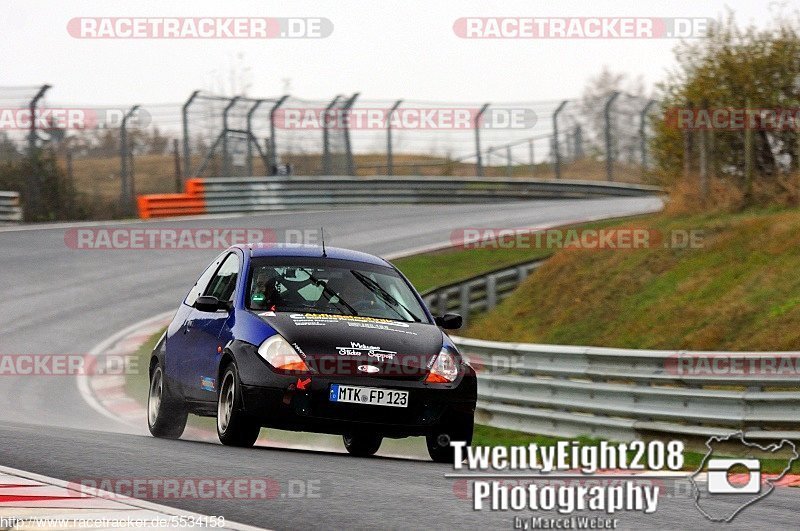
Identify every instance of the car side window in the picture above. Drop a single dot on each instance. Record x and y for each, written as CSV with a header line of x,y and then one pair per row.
x,y
223,284
202,282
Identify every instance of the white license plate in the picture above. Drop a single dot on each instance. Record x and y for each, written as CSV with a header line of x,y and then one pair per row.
x,y
368,395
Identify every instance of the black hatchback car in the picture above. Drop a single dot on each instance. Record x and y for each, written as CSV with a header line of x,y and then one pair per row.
x,y
306,339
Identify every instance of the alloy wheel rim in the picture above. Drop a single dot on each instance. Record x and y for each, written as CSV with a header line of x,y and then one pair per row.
x,y
154,397
226,400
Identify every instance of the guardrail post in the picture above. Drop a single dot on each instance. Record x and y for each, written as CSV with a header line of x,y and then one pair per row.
x,y
607,132
273,149
326,150
522,274
556,150
226,169
187,165
479,162
250,137
389,155
491,292
463,304
126,182
442,302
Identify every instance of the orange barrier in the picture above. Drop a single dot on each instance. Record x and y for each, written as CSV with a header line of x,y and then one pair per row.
x,y
192,202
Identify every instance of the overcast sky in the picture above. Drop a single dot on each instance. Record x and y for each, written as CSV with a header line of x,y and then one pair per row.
x,y
381,48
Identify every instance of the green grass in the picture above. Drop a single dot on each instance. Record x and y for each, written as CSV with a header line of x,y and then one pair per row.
x,y
431,270
739,291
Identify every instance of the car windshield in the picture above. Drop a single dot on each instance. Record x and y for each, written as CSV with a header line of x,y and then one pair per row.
x,y
331,286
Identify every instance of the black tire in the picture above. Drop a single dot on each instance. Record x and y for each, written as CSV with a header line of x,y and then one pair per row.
x,y
362,444
166,413
439,442
234,426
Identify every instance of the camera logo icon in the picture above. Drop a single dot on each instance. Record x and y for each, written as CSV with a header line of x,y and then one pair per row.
x,y
718,476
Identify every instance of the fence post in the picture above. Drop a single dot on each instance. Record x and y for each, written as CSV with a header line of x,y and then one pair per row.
x,y
477,125
508,161
748,151
643,133
326,150
607,130
532,158
556,151
273,153
126,188
178,177
226,166
34,185
250,137
703,159
187,164
687,148
578,142
351,166
389,154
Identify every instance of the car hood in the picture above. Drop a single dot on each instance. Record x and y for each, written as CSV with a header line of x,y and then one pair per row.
x,y
355,345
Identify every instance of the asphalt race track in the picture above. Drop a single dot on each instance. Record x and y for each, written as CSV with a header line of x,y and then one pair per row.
x,y
58,300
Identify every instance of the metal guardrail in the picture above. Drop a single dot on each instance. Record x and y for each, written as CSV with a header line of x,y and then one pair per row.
x,y
622,394
257,194
480,293
10,208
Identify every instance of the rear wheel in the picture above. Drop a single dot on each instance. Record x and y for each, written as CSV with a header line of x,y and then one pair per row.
x,y
361,444
439,442
166,415
234,426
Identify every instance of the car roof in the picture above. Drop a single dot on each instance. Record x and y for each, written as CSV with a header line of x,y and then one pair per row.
x,y
258,250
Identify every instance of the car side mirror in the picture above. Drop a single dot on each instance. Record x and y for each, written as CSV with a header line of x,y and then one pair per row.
x,y
449,321
207,303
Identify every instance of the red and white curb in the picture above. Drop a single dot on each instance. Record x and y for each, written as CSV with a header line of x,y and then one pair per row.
x,y
32,501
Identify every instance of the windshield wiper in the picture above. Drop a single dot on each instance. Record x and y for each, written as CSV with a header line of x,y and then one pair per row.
x,y
378,290
329,292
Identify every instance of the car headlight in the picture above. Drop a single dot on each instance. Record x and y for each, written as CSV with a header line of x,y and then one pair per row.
x,y
281,355
444,369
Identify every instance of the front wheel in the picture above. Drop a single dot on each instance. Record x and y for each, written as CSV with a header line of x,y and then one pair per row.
x,y
439,447
234,426
362,445
166,415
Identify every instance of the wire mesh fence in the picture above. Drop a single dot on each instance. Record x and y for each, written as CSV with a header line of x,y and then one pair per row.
x,y
113,152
